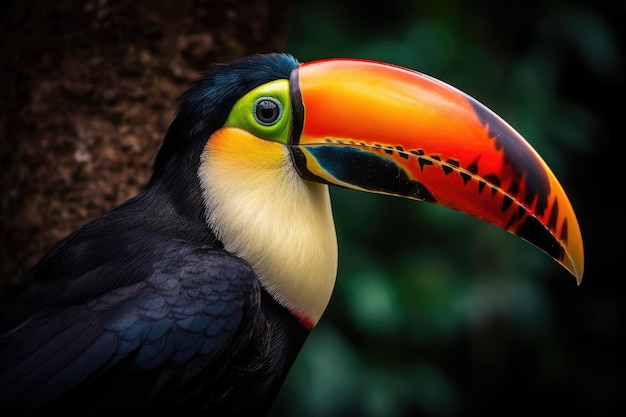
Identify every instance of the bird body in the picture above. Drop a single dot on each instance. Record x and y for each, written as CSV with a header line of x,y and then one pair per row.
x,y
196,295
159,307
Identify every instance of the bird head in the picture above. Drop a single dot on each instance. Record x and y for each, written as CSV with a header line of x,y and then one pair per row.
x,y
268,134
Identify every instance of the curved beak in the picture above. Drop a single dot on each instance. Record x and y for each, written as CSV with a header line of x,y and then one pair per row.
x,y
380,128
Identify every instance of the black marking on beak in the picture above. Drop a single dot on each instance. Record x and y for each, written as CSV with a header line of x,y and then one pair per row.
x,y
526,167
534,231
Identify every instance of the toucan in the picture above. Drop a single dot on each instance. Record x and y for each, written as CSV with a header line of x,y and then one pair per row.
x,y
197,294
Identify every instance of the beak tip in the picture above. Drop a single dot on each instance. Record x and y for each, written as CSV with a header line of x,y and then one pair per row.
x,y
576,269
579,278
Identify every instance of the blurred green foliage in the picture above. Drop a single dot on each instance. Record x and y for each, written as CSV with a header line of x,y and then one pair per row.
x,y
436,313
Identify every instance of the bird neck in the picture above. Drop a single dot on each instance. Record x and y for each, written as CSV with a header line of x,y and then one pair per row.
x,y
263,212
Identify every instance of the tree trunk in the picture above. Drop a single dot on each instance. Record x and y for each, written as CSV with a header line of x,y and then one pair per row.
x,y
88,89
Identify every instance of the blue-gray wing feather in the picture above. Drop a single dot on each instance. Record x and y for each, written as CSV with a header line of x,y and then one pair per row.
x,y
192,303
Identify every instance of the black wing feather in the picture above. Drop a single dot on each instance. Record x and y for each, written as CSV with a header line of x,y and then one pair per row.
x,y
191,305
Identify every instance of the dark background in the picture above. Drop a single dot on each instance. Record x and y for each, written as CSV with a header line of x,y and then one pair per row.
x,y
434,313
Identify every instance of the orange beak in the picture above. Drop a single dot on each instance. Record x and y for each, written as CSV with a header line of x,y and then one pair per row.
x,y
380,128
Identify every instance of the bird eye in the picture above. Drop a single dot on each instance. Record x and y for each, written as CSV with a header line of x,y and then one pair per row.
x,y
267,110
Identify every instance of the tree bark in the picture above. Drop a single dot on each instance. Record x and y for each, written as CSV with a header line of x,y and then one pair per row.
x,y
88,89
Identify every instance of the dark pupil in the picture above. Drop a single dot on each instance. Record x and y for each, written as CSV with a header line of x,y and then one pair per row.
x,y
267,111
